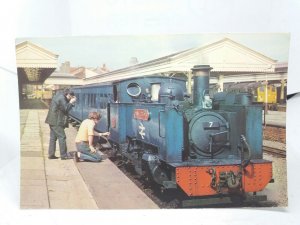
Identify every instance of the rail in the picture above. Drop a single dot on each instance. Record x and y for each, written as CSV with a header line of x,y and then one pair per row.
x,y
275,151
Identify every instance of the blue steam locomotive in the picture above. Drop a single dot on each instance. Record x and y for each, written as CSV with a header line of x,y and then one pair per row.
x,y
204,147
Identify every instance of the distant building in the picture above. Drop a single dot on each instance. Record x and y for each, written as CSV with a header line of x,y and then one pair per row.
x,y
34,65
73,76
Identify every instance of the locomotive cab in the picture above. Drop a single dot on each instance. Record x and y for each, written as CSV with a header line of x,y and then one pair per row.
x,y
170,92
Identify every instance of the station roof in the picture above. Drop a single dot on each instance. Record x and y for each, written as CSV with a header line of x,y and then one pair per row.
x,y
35,64
225,56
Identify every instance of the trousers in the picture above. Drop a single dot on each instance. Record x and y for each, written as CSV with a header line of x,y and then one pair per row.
x,y
57,133
86,154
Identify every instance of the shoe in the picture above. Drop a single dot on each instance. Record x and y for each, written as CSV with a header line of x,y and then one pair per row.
x,y
65,158
72,153
52,157
76,158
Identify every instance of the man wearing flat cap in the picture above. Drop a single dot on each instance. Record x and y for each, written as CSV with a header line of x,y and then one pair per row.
x,y
57,119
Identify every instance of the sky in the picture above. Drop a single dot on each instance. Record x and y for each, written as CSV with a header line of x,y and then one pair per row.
x,y
116,51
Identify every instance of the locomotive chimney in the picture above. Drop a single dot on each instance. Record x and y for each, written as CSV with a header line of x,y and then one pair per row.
x,y
201,85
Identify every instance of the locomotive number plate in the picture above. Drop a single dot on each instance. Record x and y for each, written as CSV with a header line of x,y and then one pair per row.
x,y
141,114
211,125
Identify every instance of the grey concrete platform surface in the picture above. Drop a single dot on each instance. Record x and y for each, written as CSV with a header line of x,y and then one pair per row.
x,y
58,184
276,118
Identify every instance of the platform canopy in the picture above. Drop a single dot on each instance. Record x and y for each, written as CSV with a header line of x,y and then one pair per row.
x,y
226,56
34,63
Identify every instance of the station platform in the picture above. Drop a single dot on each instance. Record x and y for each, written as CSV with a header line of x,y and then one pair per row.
x,y
65,184
275,118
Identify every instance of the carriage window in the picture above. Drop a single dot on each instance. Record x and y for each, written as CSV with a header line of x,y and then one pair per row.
x,y
89,99
154,92
93,103
115,91
262,88
103,103
86,100
77,98
109,97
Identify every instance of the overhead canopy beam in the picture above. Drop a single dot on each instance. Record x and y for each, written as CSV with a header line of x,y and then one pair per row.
x,y
34,75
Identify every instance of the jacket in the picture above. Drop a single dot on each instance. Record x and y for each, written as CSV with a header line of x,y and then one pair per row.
x,y
58,111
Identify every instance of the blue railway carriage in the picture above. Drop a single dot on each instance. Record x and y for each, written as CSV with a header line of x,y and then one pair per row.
x,y
92,98
202,146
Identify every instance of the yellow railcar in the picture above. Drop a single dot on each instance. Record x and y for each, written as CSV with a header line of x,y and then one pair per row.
x,y
43,94
260,93
265,95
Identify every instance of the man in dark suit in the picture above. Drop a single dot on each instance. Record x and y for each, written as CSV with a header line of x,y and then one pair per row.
x,y
57,119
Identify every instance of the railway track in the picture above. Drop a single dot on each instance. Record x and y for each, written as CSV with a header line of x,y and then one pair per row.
x,y
274,151
173,198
